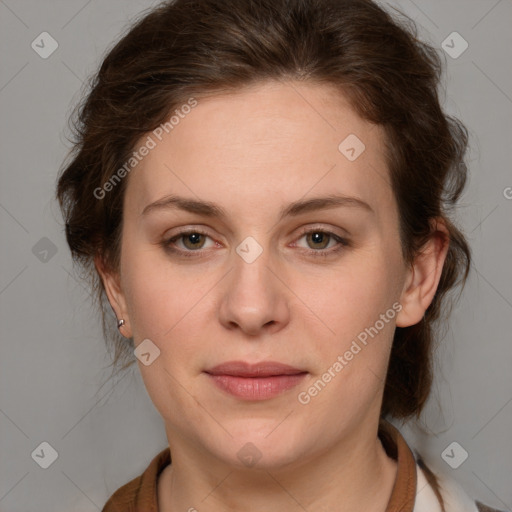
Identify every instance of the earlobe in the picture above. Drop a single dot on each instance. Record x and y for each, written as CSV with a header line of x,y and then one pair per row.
x,y
115,295
424,276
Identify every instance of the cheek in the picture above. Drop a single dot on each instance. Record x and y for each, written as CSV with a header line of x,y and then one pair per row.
x,y
357,307
357,294
153,307
154,299
167,303
165,307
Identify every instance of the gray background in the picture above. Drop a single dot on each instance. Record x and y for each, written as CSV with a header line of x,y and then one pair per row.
x,y
53,358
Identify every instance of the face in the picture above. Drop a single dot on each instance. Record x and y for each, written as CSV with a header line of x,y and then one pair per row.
x,y
268,271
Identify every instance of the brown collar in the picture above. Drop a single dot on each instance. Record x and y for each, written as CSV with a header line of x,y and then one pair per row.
x,y
404,491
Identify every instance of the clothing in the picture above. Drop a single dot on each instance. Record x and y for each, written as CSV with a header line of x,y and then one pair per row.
x,y
411,492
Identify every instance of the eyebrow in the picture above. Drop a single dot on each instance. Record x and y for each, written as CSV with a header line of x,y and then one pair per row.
x,y
209,209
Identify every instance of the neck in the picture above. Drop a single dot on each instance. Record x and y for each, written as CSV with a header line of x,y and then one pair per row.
x,y
356,474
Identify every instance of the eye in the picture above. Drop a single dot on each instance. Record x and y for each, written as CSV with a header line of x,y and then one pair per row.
x,y
190,243
320,240
192,240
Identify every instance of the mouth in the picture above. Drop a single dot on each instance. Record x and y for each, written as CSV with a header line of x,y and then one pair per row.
x,y
260,381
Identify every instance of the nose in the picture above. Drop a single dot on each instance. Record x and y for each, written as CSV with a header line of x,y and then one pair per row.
x,y
254,298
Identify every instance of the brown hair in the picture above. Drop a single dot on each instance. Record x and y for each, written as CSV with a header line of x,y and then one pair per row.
x,y
193,48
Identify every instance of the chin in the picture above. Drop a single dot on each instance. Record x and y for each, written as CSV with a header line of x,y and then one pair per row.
x,y
260,447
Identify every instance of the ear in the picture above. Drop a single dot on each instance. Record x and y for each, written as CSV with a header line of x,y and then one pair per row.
x,y
424,275
112,283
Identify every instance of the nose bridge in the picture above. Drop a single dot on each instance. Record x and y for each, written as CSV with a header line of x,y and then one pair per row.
x,y
250,278
253,298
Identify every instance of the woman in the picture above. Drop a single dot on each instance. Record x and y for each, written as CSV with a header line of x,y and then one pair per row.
x,y
260,189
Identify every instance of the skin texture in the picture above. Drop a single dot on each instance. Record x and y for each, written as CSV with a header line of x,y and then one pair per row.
x,y
253,153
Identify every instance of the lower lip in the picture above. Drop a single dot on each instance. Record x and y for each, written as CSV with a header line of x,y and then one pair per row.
x,y
257,388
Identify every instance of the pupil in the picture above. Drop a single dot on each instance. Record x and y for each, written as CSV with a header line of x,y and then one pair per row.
x,y
317,237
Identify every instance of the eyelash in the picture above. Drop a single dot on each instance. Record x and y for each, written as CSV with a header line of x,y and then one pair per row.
x,y
342,244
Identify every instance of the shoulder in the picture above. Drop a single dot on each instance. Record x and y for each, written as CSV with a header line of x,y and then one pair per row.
x,y
484,508
124,498
432,482
140,494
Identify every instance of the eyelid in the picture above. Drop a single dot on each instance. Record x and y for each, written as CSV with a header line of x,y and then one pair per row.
x,y
181,233
322,229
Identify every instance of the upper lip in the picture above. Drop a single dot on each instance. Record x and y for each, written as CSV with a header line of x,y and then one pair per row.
x,y
244,369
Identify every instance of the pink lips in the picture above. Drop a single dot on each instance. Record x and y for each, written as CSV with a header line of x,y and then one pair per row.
x,y
260,381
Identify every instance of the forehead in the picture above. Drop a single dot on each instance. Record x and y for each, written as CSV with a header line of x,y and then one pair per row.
x,y
269,142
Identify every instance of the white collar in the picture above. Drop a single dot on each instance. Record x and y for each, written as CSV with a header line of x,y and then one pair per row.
x,y
455,499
